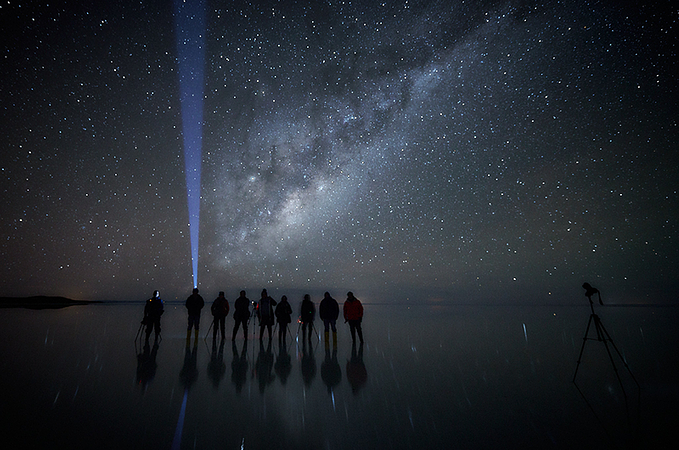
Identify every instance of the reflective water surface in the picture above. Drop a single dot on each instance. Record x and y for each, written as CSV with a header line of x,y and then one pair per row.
x,y
427,377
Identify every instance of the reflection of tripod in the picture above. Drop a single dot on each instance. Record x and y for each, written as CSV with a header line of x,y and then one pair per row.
x,y
601,336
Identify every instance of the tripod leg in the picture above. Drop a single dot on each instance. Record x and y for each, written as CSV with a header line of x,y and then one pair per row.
x,y
208,330
582,349
608,337
610,356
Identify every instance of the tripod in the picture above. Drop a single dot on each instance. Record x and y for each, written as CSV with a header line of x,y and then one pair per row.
x,y
141,325
602,336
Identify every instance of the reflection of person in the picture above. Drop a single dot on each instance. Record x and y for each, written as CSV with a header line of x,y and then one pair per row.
x,y
146,365
216,368
331,373
189,372
241,315
239,366
353,313
194,304
308,362
329,311
264,366
356,372
283,313
266,316
153,309
219,309
307,314
283,365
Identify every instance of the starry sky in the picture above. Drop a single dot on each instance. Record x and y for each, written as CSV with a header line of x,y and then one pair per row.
x,y
474,152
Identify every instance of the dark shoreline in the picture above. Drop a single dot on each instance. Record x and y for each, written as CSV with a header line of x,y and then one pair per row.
x,y
41,302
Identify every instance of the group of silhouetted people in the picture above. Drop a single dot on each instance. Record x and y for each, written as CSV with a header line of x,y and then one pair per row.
x,y
267,311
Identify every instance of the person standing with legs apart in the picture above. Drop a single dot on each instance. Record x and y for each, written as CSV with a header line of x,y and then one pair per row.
x,y
283,312
353,313
307,315
219,309
194,304
265,310
329,311
241,315
152,312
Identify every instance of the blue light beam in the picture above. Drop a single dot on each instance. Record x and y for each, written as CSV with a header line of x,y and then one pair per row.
x,y
190,33
179,429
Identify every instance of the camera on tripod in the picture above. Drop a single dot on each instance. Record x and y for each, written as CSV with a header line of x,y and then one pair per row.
x,y
601,336
590,291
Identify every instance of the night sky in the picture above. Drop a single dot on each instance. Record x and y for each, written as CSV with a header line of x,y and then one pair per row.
x,y
475,152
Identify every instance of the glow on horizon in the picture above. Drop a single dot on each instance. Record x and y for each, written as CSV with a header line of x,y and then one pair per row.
x,y
190,35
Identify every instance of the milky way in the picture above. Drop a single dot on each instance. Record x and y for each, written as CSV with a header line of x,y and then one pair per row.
x,y
475,152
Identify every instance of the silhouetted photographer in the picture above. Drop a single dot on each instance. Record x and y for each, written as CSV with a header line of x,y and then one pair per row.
x,y
153,309
241,315
194,304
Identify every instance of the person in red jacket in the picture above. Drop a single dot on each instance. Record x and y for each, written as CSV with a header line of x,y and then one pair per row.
x,y
353,314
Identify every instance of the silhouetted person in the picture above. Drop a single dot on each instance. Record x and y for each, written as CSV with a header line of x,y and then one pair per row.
x,y
283,365
146,365
331,373
241,315
308,363
219,309
153,309
265,310
353,314
283,313
194,304
307,315
329,312
239,366
216,368
356,372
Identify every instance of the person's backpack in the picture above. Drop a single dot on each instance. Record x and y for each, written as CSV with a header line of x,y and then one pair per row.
x,y
219,308
265,307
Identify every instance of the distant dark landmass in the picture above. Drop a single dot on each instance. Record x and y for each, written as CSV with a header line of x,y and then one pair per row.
x,y
41,302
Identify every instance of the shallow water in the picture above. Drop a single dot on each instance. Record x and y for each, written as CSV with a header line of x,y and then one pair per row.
x,y
426,377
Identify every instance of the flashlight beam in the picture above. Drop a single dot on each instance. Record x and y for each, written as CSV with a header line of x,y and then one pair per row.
x,y
190,34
